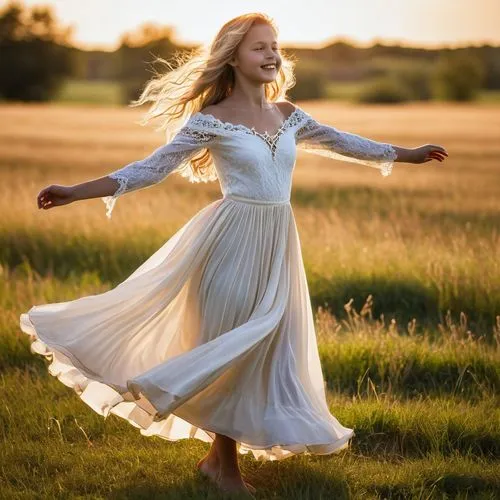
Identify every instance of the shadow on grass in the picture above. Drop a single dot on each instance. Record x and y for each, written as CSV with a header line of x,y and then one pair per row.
x,y
355,369
64,256
403,300
387,437
294,480
456,485
111,260
364,201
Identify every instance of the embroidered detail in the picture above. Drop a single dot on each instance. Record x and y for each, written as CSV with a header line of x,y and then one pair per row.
x,y
309,125
199,135
328,141
159,164
209,120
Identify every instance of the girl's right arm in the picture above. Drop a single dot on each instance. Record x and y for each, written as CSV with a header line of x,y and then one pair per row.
x,y
56,195
136,175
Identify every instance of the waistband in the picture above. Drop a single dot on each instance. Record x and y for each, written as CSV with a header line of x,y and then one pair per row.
x,y
254,201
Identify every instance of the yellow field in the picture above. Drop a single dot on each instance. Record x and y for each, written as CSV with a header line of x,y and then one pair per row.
x,y
416,374
425,237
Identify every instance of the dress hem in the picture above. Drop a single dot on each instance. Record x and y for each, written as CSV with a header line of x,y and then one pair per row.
x,y
133,405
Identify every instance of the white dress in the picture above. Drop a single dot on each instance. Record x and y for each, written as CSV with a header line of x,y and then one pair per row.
x,y
214,332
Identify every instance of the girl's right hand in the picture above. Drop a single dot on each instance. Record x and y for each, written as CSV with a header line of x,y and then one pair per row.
x,y
55,195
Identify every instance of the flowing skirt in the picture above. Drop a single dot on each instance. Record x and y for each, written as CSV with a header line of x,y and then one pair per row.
x,y
213,333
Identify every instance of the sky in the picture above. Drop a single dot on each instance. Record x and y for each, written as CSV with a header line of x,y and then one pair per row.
x,y
302,23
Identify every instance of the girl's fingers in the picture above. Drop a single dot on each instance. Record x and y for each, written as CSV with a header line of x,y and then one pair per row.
x,y
42,197
437,155
441,150
440,153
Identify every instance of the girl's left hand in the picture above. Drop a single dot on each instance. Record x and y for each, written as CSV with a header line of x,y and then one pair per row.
x,y
428,152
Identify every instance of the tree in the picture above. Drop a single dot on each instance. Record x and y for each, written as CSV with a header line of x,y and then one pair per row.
x,y
35,53
458,76
137,52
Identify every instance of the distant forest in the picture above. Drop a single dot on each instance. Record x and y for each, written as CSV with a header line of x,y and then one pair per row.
x,y
37,57
409,68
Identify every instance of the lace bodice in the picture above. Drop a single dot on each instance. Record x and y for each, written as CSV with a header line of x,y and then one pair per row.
x,y
250,163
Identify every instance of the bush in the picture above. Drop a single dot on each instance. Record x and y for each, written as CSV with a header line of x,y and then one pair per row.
x,y
416,80
311,82
384,90
458,76
35,58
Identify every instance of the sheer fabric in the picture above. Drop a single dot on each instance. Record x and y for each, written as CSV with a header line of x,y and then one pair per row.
x,y
331,142
159,164
248,162
214,332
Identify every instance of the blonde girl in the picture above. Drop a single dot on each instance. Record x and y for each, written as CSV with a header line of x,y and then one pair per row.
x,y
213,336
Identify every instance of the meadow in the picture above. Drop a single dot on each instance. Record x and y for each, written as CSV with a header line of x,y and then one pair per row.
x,y
404,277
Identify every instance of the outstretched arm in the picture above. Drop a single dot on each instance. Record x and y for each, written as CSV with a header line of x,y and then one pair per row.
x,y
331,142
56,195
136,175
159,164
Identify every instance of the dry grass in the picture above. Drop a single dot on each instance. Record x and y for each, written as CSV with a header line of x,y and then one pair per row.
x,y
415,372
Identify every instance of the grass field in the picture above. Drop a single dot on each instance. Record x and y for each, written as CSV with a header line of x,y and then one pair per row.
x,y
110,93
76,92
404,276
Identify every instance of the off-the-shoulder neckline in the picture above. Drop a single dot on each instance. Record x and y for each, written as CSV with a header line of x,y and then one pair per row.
x,y
241,126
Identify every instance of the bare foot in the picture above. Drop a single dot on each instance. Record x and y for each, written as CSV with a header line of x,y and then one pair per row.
x,y
210,469
233,485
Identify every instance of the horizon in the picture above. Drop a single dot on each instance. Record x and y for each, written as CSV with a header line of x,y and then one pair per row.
x,y
400,26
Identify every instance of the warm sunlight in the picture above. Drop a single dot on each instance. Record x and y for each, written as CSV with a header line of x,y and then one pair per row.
x,y
414,22
233,267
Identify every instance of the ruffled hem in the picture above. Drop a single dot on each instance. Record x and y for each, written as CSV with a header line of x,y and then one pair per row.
x,y
133,406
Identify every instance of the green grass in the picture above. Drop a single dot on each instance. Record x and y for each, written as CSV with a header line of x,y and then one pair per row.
x,y
403,275
90,92
490,96
348,91
109,93
342,90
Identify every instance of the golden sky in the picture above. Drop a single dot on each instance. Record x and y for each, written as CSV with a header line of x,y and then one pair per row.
x,y
314,23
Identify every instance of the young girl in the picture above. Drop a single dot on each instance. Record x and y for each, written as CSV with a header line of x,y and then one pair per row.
x,y
213,336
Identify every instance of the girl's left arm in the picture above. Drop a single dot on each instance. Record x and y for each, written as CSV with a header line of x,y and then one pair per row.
x,y
325,140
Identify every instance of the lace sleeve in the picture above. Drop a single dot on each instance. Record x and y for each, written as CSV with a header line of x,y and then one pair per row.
x,y
159,164
324,140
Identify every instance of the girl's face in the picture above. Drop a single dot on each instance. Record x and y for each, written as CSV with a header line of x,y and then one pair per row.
x,y
258,48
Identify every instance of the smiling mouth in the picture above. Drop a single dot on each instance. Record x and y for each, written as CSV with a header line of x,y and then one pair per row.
x,y
268,66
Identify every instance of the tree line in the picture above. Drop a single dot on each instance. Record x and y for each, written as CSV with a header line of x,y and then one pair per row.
x,y
37,57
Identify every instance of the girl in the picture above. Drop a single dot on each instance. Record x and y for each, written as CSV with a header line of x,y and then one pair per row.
x,y
213,336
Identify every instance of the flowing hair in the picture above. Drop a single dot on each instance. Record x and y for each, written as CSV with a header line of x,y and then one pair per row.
x,y
203,77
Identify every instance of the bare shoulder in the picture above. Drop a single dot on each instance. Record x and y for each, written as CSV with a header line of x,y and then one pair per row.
x,y
220,112
214,110
286,107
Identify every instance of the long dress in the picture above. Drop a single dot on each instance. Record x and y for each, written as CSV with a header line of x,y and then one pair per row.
x,y
214,332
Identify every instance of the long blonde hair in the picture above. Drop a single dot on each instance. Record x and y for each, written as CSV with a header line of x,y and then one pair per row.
x,y
203,77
